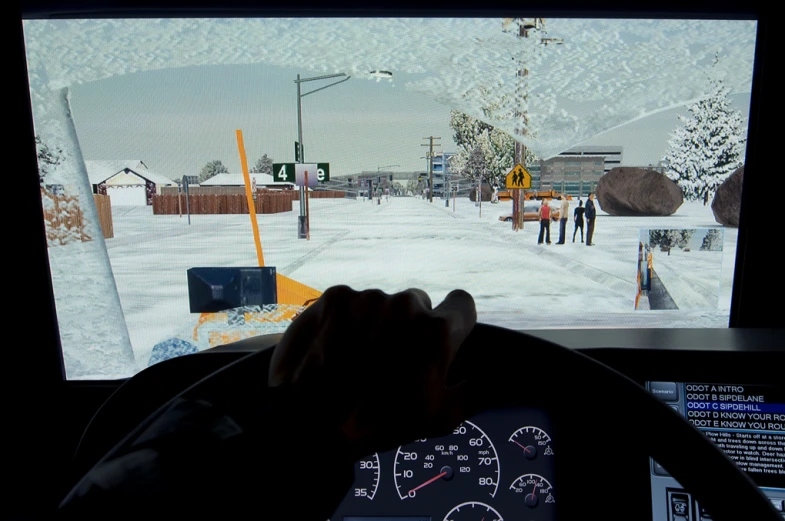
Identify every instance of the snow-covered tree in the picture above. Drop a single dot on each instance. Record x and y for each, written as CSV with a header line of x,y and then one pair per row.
x,y
707,147
212,169
712,241
47,158
498,147
264,165
667,239
477,163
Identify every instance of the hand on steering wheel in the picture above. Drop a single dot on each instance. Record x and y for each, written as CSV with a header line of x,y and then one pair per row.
x,y
334,346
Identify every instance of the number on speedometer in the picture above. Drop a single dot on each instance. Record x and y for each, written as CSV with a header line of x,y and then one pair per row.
x,y
366,477
463,464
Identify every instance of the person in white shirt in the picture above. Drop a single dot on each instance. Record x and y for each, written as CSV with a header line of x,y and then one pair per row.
x,y
564,213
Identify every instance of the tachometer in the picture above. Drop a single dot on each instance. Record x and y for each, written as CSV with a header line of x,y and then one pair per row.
x,y
532,441
366,477
463,464
473,511
535,489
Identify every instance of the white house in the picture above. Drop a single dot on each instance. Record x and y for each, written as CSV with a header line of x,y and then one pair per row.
x,y
126,182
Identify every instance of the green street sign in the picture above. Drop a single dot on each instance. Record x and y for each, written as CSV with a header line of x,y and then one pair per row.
x,y
323,172
283,172
287,172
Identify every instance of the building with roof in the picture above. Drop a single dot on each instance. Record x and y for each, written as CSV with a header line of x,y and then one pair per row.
x,y
571,175
612,156
126,182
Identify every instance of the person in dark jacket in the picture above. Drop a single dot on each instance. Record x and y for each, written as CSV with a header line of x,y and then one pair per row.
x,y
591,214
578,218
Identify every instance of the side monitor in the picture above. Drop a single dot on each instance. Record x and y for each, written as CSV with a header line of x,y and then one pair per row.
x,y
216,289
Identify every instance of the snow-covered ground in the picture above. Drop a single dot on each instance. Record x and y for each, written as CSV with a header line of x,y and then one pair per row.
x,y
406,242
691,278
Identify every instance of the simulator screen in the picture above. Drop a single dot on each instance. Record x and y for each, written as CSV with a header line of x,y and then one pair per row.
x,y
568,173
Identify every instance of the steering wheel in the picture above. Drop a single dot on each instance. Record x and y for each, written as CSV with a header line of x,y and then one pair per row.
x,y
586,400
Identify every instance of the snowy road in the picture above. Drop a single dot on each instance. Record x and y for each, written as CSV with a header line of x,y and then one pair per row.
x,y
407,242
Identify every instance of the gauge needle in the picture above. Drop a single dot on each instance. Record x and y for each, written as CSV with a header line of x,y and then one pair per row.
x,y
535,488
521,446
429,481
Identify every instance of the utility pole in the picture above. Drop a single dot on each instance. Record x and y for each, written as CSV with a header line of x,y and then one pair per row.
x,y
430,164
525,25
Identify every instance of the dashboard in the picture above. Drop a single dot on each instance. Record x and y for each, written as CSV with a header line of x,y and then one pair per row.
x,y
515,462
544,453
501,464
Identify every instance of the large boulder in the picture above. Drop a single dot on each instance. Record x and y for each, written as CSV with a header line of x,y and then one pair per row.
x,y
727,201
631,191
487,192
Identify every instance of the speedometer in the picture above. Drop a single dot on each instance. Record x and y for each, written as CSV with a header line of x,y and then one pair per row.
x,y
463,464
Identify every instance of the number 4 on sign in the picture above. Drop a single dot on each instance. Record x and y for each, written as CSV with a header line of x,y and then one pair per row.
x,y
282,173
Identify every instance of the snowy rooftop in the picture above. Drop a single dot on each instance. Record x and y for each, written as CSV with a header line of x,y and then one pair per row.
x,y
606,73
100,171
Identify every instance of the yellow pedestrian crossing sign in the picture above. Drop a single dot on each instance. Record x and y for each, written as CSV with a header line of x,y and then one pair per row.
x,y
518,177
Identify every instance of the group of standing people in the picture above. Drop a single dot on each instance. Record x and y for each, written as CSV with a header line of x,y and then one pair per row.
x,y
589,213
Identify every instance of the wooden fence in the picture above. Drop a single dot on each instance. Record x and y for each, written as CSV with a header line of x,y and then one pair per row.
x,y
221,204
326,194
103,206
240,190
65,221
265,202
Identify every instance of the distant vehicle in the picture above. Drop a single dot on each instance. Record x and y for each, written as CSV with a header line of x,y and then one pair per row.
x,y
535,196
547,194
530,214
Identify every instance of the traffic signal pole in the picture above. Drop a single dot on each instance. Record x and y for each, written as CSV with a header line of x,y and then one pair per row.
x,y
430,165
302,228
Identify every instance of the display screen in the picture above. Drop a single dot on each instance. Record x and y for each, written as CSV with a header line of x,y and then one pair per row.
x,y
546,166
746,421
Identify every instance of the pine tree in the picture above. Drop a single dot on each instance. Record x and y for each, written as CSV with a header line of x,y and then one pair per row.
x,y
712,241
264,165
667,239
707,147
212,169
498,147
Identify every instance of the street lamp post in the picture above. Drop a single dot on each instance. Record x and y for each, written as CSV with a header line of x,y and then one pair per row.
x,y
302,227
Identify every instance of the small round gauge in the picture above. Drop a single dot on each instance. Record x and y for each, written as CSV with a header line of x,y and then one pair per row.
x,y
532,441
535,489
462,464
366,478
473,511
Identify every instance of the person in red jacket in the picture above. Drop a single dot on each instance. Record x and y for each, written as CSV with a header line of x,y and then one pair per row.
x,y
545,222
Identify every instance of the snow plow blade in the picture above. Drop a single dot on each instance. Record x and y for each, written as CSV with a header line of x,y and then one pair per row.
x,y
292,292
